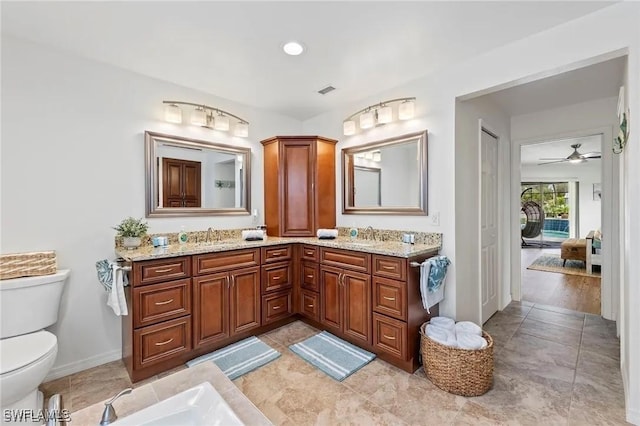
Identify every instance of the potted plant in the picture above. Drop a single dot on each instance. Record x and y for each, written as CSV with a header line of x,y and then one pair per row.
x,y
132,230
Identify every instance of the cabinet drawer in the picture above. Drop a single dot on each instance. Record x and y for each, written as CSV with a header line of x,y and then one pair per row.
x,y
154,271
276,254
390,335
160,302
389,297
355,260
276,277
309,253
160,342
309,279
310,304
390,267
276,306
223,261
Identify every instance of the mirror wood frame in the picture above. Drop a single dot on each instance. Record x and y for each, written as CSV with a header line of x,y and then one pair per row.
x,y
151,177
347,177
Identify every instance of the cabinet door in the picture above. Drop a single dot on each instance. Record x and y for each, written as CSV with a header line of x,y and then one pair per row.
x,y
298,204
191,183
171,182
357,305
211,309
309,302
330,298
245,299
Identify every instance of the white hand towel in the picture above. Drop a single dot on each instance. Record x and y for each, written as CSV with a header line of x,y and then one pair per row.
x,y
253,234
441,335
424,284
327,233
116,299
444,322
470,341
468,327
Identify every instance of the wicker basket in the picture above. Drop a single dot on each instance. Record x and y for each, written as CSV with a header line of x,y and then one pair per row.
x,y
458,371
27,264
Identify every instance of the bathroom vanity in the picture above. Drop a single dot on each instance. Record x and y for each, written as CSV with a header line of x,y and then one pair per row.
x,y
185,301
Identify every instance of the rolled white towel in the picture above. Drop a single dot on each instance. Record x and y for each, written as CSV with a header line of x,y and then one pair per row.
x,y
468,327
253,234
444,322
441,335
327,233
470,341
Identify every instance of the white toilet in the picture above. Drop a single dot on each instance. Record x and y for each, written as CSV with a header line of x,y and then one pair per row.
x,y
27,351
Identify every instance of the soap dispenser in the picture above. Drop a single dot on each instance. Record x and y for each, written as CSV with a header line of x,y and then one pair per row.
x,y
182,236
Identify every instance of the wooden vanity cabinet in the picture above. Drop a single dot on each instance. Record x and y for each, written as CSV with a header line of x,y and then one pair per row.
x,y
299,185
227,301
345,294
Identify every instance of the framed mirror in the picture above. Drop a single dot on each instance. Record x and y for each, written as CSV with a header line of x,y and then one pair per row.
x,y
386,177
188,177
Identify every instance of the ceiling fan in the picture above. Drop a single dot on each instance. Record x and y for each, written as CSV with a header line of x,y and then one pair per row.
x,y
574,158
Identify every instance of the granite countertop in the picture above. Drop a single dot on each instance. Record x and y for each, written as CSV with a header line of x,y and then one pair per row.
x,y
389,248
161,389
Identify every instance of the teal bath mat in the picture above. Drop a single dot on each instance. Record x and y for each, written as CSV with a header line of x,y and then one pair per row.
x,y
239,358
334,356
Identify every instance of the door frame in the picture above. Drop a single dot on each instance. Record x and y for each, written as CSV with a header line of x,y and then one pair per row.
x,y
610,285
483,125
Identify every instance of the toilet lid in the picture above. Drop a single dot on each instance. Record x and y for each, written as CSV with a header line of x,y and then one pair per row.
x,y
19,351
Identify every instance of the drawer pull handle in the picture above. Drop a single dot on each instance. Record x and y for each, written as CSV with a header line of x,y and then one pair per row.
x,y
310,276
388,267
165,342
308,253
276,278
275,308
162,271
388,337
166,302
276,254
310,306
389,298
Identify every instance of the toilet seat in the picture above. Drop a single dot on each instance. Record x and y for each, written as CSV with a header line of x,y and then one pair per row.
x,y
21,351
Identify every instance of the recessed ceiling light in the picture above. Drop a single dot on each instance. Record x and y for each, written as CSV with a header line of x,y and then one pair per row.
x,y
293,48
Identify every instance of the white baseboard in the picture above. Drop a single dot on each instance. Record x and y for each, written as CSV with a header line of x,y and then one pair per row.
x,y
84,364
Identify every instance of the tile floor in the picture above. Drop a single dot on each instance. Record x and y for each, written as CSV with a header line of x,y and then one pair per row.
x,y
552,366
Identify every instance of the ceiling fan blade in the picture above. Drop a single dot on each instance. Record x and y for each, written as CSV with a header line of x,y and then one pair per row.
x,y
564,160
551,159
591,155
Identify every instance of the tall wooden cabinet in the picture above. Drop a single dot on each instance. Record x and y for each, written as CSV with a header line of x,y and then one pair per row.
x,y
181,183
299,185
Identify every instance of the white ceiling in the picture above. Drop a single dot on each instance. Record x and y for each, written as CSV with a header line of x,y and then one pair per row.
x,y
531,154
597,81
233,49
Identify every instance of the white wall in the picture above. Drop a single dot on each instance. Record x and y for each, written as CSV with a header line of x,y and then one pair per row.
x,y
571,45
586,174
73,166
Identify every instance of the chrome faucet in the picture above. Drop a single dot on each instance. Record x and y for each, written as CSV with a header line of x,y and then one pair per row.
x,y
209,232
372,234
109,414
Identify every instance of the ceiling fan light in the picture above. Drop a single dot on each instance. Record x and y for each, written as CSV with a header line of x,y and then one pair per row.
x,y
577,160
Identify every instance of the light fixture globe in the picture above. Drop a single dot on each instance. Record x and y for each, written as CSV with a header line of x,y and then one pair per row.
x,y
241,130
173,113
349,128
385,115
406,110
367,120
293,48
199,117
221,122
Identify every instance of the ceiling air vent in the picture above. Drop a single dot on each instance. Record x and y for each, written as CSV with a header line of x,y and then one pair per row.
x,y
326,90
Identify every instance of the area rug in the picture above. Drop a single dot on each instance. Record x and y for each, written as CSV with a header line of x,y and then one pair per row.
x,y
239,358
553,263
334,356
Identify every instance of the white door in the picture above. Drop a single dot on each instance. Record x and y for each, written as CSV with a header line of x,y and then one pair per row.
x,y
489,224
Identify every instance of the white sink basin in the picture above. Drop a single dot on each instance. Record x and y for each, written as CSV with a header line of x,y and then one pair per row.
x,y
200,405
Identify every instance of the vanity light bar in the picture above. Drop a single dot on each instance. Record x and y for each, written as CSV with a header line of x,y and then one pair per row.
x,y
380,113
206,116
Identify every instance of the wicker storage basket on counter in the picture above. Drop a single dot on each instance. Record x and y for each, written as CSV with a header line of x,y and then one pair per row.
x,y
27,264
458,371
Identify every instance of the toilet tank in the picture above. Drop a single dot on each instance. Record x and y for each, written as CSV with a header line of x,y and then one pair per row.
x,y
31,303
